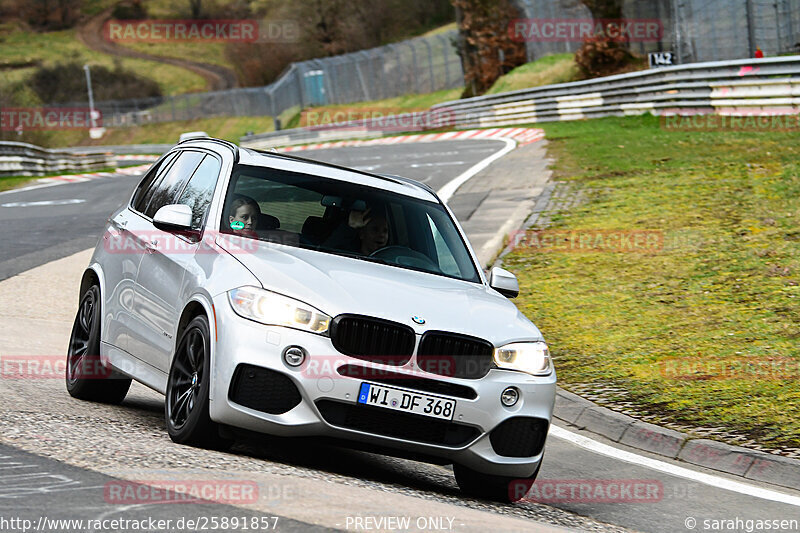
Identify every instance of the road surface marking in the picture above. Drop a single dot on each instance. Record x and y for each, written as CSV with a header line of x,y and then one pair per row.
x,y
675,470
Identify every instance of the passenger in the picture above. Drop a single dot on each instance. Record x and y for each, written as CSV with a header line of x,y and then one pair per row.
x,y
243,215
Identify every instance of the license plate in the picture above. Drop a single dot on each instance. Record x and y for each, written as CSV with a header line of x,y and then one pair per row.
x,y
406,400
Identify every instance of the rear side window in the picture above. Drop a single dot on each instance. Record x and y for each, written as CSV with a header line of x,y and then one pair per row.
x,y
200,190
166,189
144,191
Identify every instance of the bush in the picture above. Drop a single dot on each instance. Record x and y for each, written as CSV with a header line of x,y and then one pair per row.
x,y
16,95
129,10
602,56
66,82
49,15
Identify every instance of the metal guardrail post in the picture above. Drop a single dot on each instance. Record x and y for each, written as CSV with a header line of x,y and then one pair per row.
x,y
676,29
751,30
414,65
430,64
445,43
363,82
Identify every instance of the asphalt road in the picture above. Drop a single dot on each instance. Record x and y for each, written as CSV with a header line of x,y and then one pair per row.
x,y
30,484
34,235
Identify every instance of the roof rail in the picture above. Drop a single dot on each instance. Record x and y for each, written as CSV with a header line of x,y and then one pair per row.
x,y
231,146
411,181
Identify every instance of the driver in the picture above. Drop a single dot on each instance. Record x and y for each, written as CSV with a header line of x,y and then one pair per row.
x,y
364,232
373,231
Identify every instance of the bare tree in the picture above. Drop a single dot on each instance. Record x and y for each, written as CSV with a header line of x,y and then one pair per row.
x,y
604,9
486,48
196,8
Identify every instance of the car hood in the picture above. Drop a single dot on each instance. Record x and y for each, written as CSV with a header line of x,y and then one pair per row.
x,y
336,285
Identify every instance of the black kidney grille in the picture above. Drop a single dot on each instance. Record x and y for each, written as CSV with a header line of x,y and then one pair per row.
x,y
389,423
263,389
373,339
454,355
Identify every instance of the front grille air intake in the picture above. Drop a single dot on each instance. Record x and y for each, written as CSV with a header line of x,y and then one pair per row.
x,y
263,389
373,339
520,436
403,426
455,355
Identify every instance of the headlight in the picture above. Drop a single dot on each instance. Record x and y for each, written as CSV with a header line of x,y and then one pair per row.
x,y
530,357
277,310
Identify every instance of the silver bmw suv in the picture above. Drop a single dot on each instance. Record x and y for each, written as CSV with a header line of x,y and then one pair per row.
x,y
264,292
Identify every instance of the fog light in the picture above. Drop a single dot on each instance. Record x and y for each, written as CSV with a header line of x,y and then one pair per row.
x,y
509,396
294,355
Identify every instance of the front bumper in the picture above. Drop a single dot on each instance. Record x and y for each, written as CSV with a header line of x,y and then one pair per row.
x,y
243,342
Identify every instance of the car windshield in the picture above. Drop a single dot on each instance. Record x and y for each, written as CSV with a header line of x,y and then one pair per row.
x,y
344,218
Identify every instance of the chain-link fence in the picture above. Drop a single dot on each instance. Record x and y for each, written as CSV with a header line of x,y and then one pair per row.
x,y
420,65
694,30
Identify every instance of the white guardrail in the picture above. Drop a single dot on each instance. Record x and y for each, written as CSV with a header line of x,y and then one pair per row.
x,y
741,87
22,159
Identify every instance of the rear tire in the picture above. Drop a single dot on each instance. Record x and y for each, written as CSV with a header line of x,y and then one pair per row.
x,y
87,378
186,407
496,488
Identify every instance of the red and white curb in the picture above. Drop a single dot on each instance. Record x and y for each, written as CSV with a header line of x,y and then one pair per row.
x,y
73,178
521,135
149,157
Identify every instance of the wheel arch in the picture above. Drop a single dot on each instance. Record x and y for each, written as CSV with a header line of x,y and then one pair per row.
x,y
199,305
91,276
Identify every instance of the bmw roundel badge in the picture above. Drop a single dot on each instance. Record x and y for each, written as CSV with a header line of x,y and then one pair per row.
x,y
418,320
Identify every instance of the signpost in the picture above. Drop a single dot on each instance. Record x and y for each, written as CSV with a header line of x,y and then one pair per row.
x,y
661,59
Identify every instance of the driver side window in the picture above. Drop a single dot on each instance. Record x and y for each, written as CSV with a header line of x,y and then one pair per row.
x,y
167,188
145,189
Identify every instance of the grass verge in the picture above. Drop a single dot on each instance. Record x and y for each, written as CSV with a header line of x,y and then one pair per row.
x,y
63,46
556,68
330,114
13,182
702,330
230,128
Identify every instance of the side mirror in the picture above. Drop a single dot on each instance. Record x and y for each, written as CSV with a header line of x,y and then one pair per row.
x,y
504,282
173,217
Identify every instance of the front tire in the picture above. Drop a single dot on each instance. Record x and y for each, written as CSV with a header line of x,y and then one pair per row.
x,y
87,378
186,406
496,488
